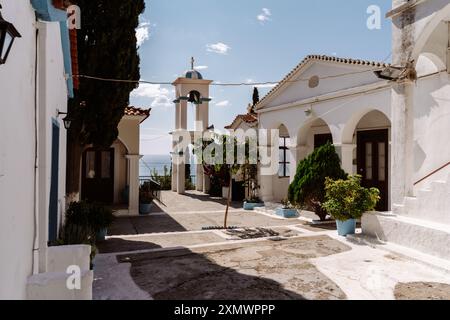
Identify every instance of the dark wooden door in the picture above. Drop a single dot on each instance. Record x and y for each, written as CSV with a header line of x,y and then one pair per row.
x,y
238,191
98,176
373,163
322,139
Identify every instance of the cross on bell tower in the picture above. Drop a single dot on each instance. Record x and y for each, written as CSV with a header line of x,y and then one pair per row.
x,y
191,88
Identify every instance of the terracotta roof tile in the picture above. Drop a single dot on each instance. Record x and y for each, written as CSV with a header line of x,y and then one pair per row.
x,y
138,112
247,118
314,57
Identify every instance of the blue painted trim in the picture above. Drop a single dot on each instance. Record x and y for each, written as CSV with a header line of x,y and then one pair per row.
x,y
55,121
65,42
47,12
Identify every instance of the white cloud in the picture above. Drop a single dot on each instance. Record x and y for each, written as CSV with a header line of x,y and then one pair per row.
x,y
142,33
269,85
162,102
224,103
219,47
264,16
251,81
159,94
201,67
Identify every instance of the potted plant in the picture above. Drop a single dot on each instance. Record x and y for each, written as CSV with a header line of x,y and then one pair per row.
x,y
347,200
92,219
252,203
145,199
287,210
101,219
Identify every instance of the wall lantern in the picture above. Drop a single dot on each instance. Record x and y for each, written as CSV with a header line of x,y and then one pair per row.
x,y
67,121
390,73
8,33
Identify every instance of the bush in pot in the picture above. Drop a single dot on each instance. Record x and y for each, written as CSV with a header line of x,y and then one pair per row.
x,y
287,210
95,219
347,200
145,198
307,191
101,219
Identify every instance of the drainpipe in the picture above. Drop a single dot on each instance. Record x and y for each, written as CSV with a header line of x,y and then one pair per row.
x,y
35,260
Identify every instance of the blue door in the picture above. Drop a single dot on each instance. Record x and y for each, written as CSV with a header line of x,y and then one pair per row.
x,y
53,210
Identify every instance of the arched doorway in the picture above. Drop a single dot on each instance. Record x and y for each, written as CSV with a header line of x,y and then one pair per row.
x,y
372,137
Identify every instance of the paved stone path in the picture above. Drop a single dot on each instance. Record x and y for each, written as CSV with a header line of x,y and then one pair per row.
x,y
166,255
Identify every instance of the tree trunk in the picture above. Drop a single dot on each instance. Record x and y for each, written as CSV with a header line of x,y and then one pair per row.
x,y
225,224
74,153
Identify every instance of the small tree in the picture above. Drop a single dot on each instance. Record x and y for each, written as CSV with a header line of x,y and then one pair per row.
x,y
255,96
224,171
308,189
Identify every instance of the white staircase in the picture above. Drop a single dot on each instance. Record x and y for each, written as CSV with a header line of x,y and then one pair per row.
x,y
431,204
421,223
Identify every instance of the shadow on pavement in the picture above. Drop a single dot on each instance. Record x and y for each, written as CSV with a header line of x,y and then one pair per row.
x,y
185,275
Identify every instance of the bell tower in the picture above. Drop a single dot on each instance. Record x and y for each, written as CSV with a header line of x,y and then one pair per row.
x,y
191,88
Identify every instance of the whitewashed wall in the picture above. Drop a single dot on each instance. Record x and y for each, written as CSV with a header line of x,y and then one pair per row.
x,y
17,145
17,154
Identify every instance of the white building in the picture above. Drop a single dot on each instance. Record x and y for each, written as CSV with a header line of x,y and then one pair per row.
x,y
393,133
111,176
33,89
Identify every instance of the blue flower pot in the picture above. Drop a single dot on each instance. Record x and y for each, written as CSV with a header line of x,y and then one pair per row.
x,y
101,235
250,206
145,208
346,227
287,213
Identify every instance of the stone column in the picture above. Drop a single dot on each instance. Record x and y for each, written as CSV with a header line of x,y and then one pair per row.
x,y
293,162
402,142
402,161
199,178
346,155
181,178
265,173
300,152
201,125
133,176
181,165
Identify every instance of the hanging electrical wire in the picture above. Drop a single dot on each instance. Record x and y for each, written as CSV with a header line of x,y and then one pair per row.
x,y
222,84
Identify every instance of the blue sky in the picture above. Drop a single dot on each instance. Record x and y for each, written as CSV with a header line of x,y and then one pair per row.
x,y
240,41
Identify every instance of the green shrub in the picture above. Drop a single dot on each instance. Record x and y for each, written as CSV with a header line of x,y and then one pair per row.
x,y
308,188
91,216
347,199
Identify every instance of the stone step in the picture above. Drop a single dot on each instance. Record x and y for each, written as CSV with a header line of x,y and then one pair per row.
x,y
61,257
421,235
53,286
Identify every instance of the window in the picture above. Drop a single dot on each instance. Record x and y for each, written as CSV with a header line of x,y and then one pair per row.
x,y
283,169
